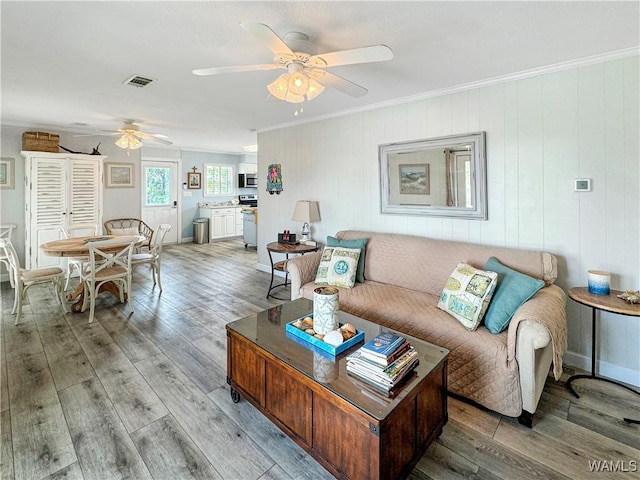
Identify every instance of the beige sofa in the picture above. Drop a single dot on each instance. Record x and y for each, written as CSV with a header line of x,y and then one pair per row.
x,y
404,276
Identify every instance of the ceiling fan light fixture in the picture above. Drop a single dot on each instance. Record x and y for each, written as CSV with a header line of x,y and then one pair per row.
x,y
278,88
314,90
298,83
293,98
134,143
129,142
292,87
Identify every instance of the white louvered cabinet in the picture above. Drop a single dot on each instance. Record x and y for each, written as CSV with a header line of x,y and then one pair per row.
x,y
61,190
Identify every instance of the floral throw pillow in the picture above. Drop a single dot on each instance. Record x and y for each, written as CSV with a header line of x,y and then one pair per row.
x,y
467,294
338,266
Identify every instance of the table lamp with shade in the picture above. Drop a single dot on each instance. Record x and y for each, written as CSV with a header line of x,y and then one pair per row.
x,y
306,212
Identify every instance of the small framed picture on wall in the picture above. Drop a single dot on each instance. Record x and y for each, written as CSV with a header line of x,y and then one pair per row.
x,y
119,175
7,173
194,180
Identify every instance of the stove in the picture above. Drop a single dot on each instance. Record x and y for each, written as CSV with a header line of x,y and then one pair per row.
x,y
248,200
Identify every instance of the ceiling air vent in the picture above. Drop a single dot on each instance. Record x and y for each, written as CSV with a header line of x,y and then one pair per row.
x,y
138,81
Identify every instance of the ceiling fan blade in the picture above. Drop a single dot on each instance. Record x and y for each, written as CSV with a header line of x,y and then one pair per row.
x,y
342,84
105,133
374,53
161,140
236,69
156,137
271,40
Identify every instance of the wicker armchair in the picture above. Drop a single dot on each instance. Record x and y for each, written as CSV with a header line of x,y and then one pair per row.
x,y
129,226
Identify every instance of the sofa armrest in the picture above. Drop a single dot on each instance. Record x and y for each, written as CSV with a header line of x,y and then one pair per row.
x,y
537,334
302,270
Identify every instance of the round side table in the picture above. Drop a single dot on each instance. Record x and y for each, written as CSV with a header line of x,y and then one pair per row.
x,y
608,303
287,249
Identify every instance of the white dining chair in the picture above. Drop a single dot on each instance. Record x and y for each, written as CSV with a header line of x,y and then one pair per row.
x,y
5,232
105,266
154,257
78,230
23,279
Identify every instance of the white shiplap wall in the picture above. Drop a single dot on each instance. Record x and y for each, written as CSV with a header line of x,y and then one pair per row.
x,y
542,133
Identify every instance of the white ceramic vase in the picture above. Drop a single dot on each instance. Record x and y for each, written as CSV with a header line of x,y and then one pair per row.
x,y
325,309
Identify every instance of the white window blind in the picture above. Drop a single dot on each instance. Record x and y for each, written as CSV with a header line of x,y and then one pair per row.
x,y
218,180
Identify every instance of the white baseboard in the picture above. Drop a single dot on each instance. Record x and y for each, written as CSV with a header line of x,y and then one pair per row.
x,y
186,240
605,369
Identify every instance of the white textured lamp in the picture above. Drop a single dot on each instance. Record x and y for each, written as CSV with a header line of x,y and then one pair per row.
x,y
306,212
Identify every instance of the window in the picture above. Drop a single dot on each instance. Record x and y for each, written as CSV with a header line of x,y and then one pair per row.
x,y
158,186
218,180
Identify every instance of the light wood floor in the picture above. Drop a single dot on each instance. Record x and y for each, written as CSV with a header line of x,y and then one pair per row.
x,y
144,396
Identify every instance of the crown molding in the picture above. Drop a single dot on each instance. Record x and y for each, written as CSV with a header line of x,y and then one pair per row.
x,y
534,72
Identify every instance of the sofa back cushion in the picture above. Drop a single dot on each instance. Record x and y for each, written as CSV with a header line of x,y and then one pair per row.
x,y
424,264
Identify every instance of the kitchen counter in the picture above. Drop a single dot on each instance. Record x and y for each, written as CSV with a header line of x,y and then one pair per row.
x,y
218,205
224,220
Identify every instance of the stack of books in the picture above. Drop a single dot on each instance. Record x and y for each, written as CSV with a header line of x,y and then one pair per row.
x,y
384,362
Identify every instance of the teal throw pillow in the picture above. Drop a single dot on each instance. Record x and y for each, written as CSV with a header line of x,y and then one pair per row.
x,y
360,243
513,289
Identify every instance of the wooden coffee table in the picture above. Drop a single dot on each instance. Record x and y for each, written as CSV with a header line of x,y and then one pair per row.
x,y
351,430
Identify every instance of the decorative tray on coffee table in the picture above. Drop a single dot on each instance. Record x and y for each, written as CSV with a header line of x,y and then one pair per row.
x,y
302,337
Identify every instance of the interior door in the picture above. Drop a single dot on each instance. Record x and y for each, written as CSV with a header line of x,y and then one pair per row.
x,y
161,187
84,183
47,210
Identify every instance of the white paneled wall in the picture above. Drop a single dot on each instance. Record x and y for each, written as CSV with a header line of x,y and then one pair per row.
x,y
542,133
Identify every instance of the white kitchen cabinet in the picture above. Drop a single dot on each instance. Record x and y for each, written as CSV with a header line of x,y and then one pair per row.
x,y
61,190
223,222
247,168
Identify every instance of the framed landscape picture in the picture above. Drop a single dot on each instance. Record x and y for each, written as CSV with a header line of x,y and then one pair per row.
x,y
7,173
119,175
414,179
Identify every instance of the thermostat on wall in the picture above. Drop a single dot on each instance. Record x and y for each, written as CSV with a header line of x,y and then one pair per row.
x,y
582,185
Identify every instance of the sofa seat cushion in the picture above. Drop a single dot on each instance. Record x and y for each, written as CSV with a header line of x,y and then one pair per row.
x,y
478,365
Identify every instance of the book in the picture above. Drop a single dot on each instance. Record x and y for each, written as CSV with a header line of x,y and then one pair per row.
x,y
379,382
389,390
388,375
388,360
384,344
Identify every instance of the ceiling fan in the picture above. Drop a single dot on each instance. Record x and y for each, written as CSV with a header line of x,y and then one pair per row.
x,y
131,137
306,75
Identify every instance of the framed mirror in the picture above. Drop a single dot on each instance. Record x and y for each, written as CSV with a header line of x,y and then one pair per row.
x,y
442,177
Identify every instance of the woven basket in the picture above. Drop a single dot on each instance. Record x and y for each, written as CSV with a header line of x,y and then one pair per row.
x,y
40,142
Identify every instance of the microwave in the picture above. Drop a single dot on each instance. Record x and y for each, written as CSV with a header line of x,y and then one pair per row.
x,y
248,180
